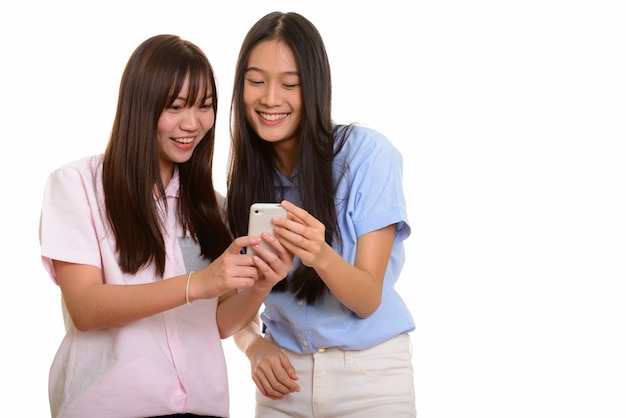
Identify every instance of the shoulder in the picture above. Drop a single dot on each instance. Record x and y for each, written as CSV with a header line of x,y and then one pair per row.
x,y
363,143
79,175
85,166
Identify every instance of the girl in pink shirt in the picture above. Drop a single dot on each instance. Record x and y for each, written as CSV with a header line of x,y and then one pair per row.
x,y
137,241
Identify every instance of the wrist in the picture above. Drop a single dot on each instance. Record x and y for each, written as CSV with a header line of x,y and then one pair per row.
x,y
188,299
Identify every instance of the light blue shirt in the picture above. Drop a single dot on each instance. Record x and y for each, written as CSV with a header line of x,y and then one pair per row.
x,y
369,197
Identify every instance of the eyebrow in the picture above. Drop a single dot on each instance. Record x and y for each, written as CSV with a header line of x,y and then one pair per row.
x,y
294,72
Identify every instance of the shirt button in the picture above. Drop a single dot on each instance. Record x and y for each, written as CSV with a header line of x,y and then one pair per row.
x,y
299,302
321,350
304,343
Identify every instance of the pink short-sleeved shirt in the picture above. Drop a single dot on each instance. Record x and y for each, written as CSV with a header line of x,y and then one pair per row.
x,y
172,362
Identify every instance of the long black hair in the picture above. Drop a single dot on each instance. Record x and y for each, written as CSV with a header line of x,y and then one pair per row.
x,y
252,174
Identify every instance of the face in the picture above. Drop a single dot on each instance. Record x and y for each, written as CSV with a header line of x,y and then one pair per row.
x,y
181,128
272,94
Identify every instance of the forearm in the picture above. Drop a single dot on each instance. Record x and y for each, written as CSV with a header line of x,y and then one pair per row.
x,y
107,305
357,289
238,310
247,336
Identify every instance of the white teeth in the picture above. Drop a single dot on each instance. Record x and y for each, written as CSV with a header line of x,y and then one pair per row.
x,y
267,116
183,140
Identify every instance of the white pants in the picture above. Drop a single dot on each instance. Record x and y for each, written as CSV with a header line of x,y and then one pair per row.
x,y
376,382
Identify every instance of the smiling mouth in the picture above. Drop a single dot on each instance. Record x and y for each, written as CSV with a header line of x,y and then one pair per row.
x,y
183,140
273,116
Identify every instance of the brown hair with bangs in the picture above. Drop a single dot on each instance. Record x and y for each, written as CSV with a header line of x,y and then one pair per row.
x,y
152,80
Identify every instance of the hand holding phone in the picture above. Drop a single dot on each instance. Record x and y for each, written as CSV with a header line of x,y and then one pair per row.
x,y
260,220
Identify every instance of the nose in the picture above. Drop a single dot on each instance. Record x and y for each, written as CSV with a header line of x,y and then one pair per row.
x,y
190,121
271,95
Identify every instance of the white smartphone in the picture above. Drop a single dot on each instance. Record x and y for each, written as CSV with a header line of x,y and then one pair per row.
x,y
260,220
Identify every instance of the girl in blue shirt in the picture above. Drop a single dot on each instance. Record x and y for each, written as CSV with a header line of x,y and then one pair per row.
x,y
334,337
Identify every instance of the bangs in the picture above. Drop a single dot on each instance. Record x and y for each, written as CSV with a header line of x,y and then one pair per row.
x,y
199,87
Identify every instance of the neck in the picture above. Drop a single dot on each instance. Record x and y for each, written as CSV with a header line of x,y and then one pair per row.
x,y
286,157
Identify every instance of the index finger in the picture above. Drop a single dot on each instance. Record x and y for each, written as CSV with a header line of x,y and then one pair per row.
x,y
297,213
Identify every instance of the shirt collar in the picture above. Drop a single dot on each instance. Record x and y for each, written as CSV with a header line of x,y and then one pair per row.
x,y
173,187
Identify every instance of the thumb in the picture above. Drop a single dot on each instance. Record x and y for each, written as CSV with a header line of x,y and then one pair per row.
x,y
240,243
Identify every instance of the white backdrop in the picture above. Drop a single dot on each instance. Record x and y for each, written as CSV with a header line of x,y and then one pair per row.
x,y
510,116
